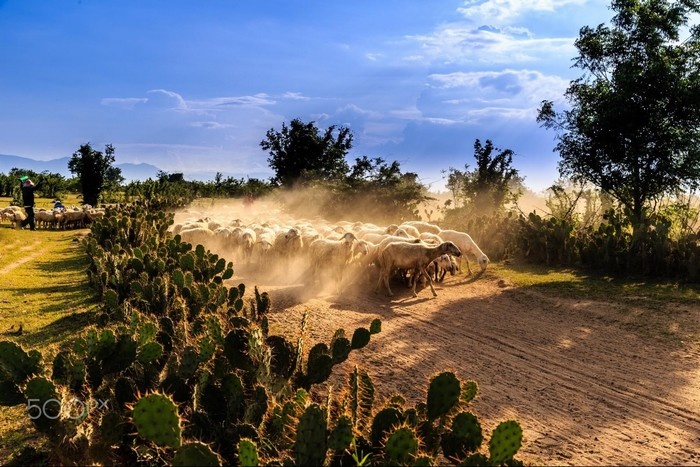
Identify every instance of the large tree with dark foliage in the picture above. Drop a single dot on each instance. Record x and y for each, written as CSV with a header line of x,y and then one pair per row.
x,y
95,171
301,153
633,129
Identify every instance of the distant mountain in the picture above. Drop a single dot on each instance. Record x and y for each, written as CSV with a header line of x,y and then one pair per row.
x,y
130,171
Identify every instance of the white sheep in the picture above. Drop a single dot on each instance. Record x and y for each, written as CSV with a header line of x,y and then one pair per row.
x,y
410,230
424,227
288,243
429,237
412,257
247,241
262,248
465,243
198,236
332,256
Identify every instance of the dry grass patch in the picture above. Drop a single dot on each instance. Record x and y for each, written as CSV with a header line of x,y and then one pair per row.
x,y
45,290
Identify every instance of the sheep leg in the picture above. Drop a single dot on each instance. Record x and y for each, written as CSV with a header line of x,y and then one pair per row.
x,y
430,282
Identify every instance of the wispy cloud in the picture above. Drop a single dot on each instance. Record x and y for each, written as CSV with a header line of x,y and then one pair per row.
x,y
461,44
506,11
123,102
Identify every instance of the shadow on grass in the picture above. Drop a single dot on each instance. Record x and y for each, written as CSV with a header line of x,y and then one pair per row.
x,y
59,330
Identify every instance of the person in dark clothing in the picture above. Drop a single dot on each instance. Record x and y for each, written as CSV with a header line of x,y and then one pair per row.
x,y
28,189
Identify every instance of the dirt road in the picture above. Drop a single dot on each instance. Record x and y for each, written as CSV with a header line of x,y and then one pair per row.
x,y
588,386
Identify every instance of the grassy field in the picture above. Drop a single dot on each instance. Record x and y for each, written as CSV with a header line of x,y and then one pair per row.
x,y
44,290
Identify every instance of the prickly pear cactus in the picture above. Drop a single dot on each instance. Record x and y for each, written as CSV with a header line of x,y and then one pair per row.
x,y
320,364
248,453
17,365
464,438
376,326
45,406
284,356
360,338
196,453
310,446
111,428
385,421
443,394
149,352
505,442
341,436
469,391
401,446
340,349
156,418
189,362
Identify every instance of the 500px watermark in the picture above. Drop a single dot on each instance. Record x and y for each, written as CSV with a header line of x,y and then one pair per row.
x,y
73,408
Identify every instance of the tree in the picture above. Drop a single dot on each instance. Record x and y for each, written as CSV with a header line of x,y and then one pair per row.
x,y
491,184
95,171
633,129
299,153
52,184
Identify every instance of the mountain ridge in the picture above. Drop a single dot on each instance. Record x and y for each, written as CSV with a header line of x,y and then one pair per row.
x,y
130,171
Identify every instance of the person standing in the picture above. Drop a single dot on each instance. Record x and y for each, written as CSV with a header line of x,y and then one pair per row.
x,y
28,189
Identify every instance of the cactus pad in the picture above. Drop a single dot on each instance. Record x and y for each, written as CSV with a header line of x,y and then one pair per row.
x,y
401,446
360,338
341,436
505,442
156,419
310,446
384,422
196,453
17,365
443,394
149,352
469,391
248,453
376,326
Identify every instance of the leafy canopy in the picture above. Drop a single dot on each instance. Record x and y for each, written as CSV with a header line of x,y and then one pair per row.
x,y
95,171
633,129
301,153
493,183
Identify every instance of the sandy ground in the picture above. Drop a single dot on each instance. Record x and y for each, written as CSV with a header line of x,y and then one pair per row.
x,y
587,388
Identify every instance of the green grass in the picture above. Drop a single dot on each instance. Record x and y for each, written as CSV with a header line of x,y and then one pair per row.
x,y
46,203
663,311
580,284
44,288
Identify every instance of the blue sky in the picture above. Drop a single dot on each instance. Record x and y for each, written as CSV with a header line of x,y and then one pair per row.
x,y
194,86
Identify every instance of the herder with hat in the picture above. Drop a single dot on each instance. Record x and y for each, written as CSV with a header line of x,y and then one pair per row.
x,y
28,188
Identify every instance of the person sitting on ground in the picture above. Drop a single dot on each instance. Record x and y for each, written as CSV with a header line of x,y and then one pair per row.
x,y
28,189
58,206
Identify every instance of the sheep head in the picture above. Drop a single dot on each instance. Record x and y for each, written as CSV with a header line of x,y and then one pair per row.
x,y
483,262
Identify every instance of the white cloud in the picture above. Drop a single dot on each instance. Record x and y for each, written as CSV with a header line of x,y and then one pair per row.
x,y
505,11
295,96
211,125
170,96
477,96
458,43
123,102
529,85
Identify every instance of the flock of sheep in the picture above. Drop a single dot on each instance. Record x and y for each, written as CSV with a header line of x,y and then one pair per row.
x,y
64,218
337,254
